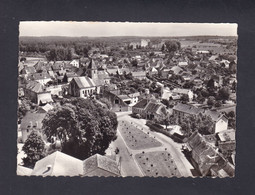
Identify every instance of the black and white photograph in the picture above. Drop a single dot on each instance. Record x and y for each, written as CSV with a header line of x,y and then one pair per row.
x,y
126,99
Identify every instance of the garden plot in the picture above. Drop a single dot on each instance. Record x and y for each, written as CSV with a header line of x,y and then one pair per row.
x,y
157,164
135,138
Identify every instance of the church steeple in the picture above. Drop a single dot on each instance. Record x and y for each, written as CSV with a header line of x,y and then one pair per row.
x,y
92,69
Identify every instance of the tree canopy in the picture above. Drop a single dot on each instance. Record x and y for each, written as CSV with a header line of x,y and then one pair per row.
x,y
83,126
34,149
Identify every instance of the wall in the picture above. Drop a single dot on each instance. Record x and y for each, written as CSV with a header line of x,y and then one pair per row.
x,y
221,125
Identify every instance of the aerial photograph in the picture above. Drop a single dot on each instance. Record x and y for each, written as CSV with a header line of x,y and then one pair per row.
x,y
120,99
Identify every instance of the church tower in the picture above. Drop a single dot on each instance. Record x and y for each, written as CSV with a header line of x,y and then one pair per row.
x,y
92,70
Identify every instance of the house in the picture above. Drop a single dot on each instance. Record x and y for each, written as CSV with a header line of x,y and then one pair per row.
x,y
181,92
149,109
98,165
140,106
183,64
74,63
28,70
119,102
82,87
220,120
152,71
227,142
41,66
183,110
58,164
134,98
225,63
206,158
32,122
176,70
139,75
144,42
69,76
42,77
55,90
155,110
164,72
37,93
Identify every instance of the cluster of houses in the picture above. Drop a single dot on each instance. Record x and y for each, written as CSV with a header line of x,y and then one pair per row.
x,y
91,76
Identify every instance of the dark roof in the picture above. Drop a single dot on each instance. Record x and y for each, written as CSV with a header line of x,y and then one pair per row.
x,y
141,104
28,70
152,107
92,65
189,109
97,161
34,86
40,76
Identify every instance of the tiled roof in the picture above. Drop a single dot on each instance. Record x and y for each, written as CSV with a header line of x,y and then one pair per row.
x,y
215,116
181,91
97,161
40,76
23,171
141,104
152,107
58,164
84,82
34,86
29,69
183,63
187,109
228,135
139,74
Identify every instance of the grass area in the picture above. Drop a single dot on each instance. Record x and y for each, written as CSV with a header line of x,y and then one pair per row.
x,y
157,164
135,138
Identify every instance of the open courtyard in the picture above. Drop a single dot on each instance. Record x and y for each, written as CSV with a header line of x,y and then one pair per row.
x,y
135,138
157,164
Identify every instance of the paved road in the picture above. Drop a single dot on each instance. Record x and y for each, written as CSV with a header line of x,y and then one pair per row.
x,y
173,148
128,165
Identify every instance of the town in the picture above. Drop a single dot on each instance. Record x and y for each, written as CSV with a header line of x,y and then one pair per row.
x,y
127,106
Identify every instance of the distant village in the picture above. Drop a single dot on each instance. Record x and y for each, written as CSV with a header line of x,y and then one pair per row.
x,y
175,101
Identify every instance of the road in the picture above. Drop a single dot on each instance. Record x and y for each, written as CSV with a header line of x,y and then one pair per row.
x,y
168,144
128,167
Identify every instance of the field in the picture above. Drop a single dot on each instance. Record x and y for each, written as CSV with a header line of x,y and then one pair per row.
x,y
157,164
135,138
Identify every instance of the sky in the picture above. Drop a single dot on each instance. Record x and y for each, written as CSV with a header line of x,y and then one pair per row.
x,y
105,29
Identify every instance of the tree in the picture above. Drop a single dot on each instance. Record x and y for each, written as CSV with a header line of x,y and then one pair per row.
x,y
211,101
83,126
223,94
106,102
185,98
34,149
172,46
218,104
